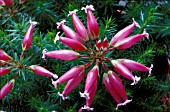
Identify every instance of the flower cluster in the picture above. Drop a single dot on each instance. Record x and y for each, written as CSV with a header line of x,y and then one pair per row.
x,y
11,63
81,40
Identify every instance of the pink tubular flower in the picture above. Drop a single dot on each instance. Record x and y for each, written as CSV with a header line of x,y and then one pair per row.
x,y
92,92
73,44
78,25
2,2
68,31
92,24
9,3
132,65
5,70
4,56
6,89
72,73
112,90
128,42
91,78
118,86
122,70
42,71
98,45
71,84
124,33
61,54
27,41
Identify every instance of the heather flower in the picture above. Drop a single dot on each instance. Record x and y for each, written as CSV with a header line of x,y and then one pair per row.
x,y
27,41
4,56
6,89
9,3
5,70
42,71
96,53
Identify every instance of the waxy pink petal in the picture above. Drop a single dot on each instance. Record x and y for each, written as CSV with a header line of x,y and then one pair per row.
x,y
128,42
27,41
73,44
2,2
4,56
72,84
61,54
42,71
90,79
112,90
5,70
117,84
122,70
98,45
9,3
78,25
92,24
123,33
6,89
72,73
133,65
68,31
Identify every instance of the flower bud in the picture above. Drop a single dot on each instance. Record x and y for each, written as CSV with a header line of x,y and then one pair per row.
x,y
78,25
104,44
6,89
4,56
68,31
9,3
27,41
5,70
122,70
42,71
128,42
71,84
72,73
73,44
61,54
124,33
92,24
90,79
98,45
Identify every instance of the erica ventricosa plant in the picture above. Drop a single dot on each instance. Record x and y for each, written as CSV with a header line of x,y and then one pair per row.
x,y
7,63
84,43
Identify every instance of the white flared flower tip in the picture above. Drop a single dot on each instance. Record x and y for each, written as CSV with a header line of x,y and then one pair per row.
x,y
56,37
146,34
43,52
135,23
63,97
72,12
54,83
150,70
33,22
136,79
87,108
85,95
60,23
118,105
126,102
88,7
55,76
